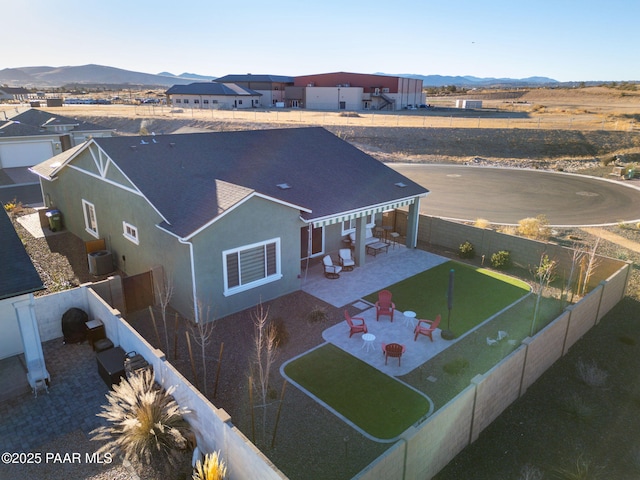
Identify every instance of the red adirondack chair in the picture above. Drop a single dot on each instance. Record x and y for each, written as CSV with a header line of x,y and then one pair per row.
x,y
426,327
384,305
356,324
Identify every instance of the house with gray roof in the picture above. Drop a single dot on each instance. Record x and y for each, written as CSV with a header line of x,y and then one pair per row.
x,y
31,136
18,94
228,215
18,282
212,95
272,87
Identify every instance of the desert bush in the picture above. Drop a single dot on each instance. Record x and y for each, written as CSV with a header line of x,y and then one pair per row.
x,y
591,374
317,314
456,366
466,250
529,472
501,260
145,424
576,406
482,223
582,470
212,468
280,331
536,228
350,114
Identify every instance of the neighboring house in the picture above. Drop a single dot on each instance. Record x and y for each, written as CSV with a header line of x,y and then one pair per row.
x,y
18,94
32,136
229,215
212,95
271,87
18,281
354,91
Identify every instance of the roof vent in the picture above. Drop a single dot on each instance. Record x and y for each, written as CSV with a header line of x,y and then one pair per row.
x,y
133,147
172,144
284,186
400,184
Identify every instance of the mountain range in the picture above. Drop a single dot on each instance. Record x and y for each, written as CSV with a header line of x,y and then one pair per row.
x,y
103,76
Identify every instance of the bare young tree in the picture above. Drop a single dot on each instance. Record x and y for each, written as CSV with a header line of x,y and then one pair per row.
x,y
544,274
201,331
265,346
164,292
592,263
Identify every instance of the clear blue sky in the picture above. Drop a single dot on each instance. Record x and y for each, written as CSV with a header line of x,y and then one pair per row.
x,y
562,39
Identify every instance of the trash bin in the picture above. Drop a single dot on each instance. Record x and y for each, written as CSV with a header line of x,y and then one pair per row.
x,y
55,220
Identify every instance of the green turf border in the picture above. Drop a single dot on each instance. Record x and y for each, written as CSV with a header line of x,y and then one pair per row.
x,y
378,405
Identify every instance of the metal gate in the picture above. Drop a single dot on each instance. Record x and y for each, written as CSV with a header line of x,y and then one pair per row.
x,y
138,291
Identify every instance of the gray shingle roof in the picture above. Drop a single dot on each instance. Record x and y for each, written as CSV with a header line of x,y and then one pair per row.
x,y
38,118
209,172
234,78
17,275
210,88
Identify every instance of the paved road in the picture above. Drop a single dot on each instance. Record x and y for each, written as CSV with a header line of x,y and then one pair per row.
x,y
505,195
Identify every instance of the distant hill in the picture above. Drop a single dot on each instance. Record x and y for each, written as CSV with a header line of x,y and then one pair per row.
x,y
89,75
99,75
471,82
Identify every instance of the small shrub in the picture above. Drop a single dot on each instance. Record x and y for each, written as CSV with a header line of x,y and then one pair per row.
x,y
280,329
466,250
350,114
582,470
627,340
456,366
212,468
529,472
536,228
481,223
577,407
317,315
501,260
591,374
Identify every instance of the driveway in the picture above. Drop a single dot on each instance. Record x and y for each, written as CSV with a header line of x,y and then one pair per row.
x,y
507,195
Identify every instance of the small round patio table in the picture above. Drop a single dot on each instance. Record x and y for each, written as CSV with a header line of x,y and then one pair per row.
x,y
408,318
367,340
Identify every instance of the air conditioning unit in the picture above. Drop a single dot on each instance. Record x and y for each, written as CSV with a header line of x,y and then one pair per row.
x,y
100,262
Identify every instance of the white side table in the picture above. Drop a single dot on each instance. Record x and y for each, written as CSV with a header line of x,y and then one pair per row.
x,y
408,318
367,340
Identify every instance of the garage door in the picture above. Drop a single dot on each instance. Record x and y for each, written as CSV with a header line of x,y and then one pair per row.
x,y
24,154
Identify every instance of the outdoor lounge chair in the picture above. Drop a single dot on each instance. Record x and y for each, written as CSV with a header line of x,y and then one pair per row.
x,y
392,350
356,324
384,305
346,260
426,327
330,270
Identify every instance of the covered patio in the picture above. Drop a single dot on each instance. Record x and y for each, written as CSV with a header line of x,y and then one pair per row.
x,y
380,271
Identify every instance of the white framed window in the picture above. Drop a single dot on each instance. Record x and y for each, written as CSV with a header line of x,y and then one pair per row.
x,y
178,100
186,100
90,222
349,226
250,266
196,101
130,232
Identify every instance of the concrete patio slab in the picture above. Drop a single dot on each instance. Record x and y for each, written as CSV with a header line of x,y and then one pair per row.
x,y
417,352
377,273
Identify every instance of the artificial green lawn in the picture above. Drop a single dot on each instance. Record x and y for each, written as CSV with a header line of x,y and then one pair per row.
x,y
477,295
375,402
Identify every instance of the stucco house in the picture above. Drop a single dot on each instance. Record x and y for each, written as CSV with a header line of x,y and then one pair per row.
x,y
354,91
18,94
212,95
229,215
29,137
271,87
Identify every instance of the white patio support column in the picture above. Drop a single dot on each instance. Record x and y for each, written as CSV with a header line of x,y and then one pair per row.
x,y
33,354
361,232
412,224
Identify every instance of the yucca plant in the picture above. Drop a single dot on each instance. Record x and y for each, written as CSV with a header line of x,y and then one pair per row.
x,y
146,424
212,468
